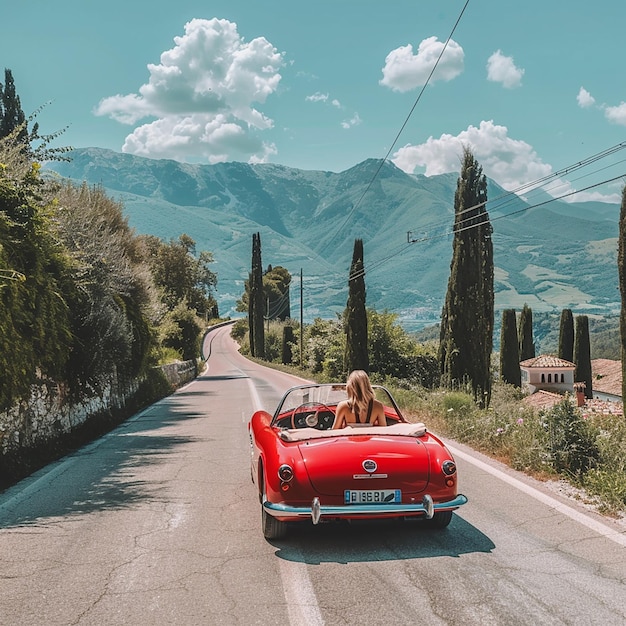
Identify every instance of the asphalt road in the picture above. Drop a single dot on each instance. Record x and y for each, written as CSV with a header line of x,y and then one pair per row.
x,y
159,523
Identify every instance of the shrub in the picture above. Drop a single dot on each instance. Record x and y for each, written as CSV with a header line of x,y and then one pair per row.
x,y
571,440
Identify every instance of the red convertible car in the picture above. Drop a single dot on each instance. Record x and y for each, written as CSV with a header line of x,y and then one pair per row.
x,y
306,470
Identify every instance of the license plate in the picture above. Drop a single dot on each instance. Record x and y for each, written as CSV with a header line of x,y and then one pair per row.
x,y
372,496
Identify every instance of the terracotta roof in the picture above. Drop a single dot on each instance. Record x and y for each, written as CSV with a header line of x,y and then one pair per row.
x,y
547,360
607,376
602,407
542,399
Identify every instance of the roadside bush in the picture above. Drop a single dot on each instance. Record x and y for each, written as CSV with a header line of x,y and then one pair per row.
x,y
608,479
571,440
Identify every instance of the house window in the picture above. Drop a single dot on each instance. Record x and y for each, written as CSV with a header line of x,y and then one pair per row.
x,y
562,378
543,378
549,378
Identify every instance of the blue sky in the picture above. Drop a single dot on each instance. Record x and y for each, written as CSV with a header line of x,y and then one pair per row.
x,y
530,87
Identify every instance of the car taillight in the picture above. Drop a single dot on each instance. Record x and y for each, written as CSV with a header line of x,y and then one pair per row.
x,y
448,468
285,473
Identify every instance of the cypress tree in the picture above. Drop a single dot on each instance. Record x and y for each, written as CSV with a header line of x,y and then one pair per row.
x,y
11,114
582,355
259,300
287,345
356,354
509,349
526,343
621,266
466,336
566,336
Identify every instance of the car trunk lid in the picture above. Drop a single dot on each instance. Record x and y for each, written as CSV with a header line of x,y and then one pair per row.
x,y
364,462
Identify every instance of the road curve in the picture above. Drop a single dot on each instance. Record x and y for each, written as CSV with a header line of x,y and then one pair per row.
x,y
159,523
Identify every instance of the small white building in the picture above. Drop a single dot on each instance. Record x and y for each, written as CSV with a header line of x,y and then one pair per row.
x,y
547,372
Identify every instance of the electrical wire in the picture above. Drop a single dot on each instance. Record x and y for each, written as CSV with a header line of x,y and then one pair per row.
x,y
384,159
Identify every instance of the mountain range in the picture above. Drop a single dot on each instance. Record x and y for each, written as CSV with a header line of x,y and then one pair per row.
x,y
547,253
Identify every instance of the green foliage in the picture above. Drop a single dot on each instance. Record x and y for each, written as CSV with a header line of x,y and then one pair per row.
x,y
181,331
181,275
621,266
509,349
12,118
566,336
467,318
35,329
571,440
287,345
256,305
324,341
394,353
608,479
239,330
355,316
582,355
113,303
276,281
526,343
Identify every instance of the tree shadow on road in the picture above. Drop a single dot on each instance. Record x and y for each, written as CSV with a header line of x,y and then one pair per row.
x,y
102,475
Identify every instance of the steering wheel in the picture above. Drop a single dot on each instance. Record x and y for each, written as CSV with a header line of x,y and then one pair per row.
x,y
313,415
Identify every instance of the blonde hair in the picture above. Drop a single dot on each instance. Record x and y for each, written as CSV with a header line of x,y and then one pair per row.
x,y
359,390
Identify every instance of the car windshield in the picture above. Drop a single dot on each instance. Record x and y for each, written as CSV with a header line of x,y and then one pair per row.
x,y
330,395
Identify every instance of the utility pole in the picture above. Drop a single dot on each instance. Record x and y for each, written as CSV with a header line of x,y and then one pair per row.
x,y
301,321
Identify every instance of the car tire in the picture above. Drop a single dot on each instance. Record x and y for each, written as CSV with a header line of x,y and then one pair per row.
x,y
272,528
439,520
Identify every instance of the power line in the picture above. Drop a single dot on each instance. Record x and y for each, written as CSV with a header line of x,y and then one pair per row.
x,y
456,229
502,200
384,159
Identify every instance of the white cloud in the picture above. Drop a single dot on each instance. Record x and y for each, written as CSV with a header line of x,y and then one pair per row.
x,y
317,97
585,99
214,138
323,97
203,95
616,114
404,70
502,69
509,162
355,120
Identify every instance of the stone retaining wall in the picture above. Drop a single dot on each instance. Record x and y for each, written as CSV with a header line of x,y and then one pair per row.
x,y
48,415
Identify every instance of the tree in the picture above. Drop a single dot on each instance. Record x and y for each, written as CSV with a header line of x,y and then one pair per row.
x,y
621,266
566,336
582,355
12,118
466,336
14,128
181,275
114,311
509,349
256,305
355,316
276,281
286,352
526,343
35,288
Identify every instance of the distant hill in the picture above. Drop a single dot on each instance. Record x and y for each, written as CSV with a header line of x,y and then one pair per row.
x,y
550,257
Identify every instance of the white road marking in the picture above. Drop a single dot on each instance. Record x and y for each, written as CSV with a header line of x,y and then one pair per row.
x,y
581,518
302,605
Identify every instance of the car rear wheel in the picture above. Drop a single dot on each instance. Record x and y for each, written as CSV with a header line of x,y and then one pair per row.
x,y
439,520
272,528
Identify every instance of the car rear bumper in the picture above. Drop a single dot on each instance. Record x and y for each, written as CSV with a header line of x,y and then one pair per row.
x,y
316,511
